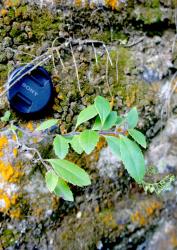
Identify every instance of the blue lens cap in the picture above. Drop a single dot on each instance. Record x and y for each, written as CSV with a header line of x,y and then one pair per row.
x,y
32,90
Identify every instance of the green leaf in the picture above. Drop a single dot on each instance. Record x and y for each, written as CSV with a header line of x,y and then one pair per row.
x,y
110,120
6,116
132,158
69,138
103,108
51,180
63,190
47,124
132,118
114,144
109,123
75,144
97,124
70,172
138,137
61,146
86,114
120,120
88,140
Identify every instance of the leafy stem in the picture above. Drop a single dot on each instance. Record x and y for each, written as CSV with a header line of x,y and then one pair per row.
x,y
120,133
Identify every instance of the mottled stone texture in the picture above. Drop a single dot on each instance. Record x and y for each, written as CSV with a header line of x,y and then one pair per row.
x,y
114,212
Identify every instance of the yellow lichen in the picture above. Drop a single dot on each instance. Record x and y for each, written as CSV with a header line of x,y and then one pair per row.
x,y
11,3
112,3
35,140
7,205
78,2
14,199
15,152
173,239
9,173
4,201
3,12
15,213
14,138
30,126
3,142
1,154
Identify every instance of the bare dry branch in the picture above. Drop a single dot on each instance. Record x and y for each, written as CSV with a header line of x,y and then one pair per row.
x,y
75,65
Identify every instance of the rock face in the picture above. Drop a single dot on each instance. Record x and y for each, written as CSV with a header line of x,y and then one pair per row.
x,y
129,46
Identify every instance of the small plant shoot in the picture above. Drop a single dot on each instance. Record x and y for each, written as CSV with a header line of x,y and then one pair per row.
x,y
121,135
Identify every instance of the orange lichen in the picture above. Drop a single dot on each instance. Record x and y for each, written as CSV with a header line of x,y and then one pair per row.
x,y
139,218
112,102
30,126
107,219
78,2
112,3
145,212
63,129
9,173
101,144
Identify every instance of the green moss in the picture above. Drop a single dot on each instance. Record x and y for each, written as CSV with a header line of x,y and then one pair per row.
x,y
22,12
7,238
150,15
109,36
3,74
23,58
42,23
174,3
15,31
11,13
121,83
152,3
6,20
